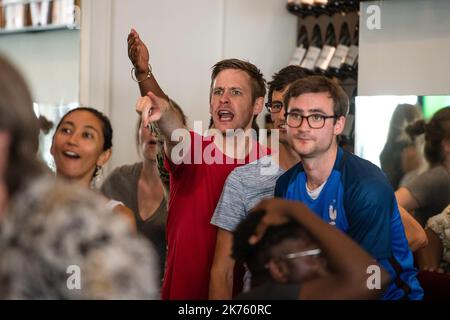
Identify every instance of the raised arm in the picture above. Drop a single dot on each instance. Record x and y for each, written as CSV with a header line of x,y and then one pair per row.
x,y
140,58
348,263
154,104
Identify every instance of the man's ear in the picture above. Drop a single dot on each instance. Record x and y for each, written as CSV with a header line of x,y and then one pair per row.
x,y
339,125
258,105
104,157
278,271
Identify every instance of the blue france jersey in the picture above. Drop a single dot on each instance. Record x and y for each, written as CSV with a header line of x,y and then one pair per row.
x,y
358,200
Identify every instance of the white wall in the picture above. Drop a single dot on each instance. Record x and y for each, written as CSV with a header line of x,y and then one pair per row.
x,y
185,39
49,61
408,55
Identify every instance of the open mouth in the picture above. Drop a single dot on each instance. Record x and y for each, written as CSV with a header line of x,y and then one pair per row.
x,y
71,155
225,115
282,126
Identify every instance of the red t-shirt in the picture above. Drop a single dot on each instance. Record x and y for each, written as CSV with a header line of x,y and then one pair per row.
x,y
195,190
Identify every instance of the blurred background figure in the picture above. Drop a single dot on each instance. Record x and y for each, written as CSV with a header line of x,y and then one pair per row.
x,y
50,230
45,124
401,154
436,255
140,187
434,260
429,193
60,242
19,131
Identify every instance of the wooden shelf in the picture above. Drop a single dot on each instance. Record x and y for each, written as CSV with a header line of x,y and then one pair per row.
x,y
49,27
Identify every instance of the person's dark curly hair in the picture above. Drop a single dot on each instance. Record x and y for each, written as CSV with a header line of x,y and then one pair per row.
x,y
45,125
285,77
436,131
256,256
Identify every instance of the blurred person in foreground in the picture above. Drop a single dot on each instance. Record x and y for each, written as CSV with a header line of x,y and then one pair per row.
x,y
58,241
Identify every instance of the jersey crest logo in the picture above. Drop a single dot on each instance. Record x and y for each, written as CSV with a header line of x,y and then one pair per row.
x,y
332,213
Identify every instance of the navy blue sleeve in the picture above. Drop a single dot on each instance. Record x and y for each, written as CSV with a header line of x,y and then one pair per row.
x,y
369,206
283,182
278,189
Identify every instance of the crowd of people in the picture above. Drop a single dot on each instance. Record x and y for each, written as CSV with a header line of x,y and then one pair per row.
x,y
303,219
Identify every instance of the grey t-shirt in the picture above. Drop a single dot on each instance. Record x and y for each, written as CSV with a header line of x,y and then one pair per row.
x,y
431,189
244,188
122,185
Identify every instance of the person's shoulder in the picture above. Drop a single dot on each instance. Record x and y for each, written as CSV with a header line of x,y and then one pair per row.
x,y
438,172
242,174
127,169
252,167
431,180
285,179
363,178
290,173
362,171
123,174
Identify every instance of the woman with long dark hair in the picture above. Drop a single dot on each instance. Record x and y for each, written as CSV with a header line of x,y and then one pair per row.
x,y
82,145
429,193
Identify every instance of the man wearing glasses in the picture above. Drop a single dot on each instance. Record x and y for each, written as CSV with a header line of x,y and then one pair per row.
x,y
343,189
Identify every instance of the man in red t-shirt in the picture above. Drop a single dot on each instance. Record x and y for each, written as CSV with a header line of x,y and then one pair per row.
x,y
198,165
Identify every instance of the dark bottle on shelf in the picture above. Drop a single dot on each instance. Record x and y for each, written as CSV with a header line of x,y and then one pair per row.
x,y
320,7
350,5
350,66
356,4
293,6
334,6
302,47
314,50
306,7
327,52
334,69
300,7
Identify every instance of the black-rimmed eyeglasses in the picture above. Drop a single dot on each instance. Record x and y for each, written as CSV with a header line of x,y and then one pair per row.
x,y
315,121
299,254
274,107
